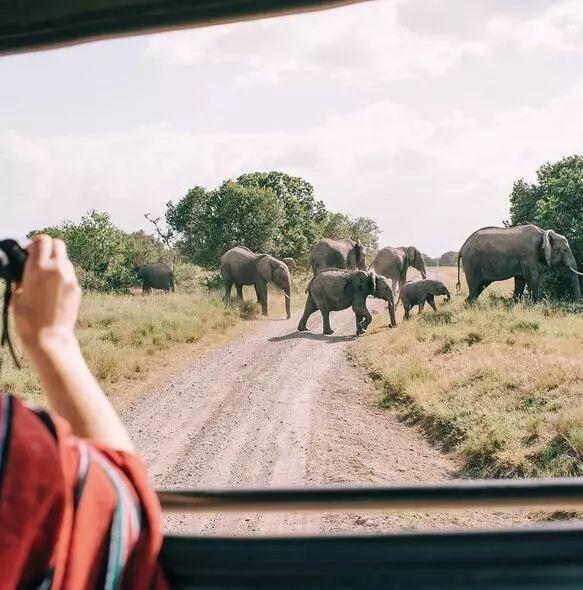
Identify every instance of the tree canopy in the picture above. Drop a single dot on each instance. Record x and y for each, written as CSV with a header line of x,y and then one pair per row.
x,y
448,258
269,212
302,213
554,201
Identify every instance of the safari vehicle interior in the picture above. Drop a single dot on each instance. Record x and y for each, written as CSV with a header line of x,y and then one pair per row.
x,y
541,556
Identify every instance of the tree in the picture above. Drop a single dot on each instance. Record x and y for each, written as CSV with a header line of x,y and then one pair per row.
x,y
101,252
335,226
554,201
429,261
302,213
184,221
269,212
448,258
366,231
340,225
208,223
144,248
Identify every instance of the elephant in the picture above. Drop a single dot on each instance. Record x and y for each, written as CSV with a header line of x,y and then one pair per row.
x,y
499,253
336,289
155,276
343,253
393,263
290,262
419,292
243,267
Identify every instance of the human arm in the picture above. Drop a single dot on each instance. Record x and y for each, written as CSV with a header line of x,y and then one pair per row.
x,y
45,306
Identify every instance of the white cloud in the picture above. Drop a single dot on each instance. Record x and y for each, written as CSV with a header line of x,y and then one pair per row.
x,y
558,28
426,181
357,44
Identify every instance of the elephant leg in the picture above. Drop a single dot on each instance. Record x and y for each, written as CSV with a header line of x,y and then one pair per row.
x,y
476,291
363,317
394,283
431,301
239,291
261,290
534,288
421,307
519,285
531,277
257,294
309,309
474,280
483,285
407,309
228,287
360,319
326,321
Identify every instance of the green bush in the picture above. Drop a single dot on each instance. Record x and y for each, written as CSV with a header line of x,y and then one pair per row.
x,y
104,255
554,201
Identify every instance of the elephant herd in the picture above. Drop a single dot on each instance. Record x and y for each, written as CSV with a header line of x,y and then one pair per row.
x,y
342,280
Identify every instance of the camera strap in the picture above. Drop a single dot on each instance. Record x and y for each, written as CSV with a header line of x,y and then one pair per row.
x,y
5,339
12,259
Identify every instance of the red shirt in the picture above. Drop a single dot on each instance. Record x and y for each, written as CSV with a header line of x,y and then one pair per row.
x,y
73,513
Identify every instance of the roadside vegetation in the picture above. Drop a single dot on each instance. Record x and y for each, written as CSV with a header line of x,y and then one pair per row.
x,y
498,384
127,337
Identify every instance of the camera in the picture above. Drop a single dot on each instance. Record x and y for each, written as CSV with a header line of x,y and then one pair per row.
x,y
12,259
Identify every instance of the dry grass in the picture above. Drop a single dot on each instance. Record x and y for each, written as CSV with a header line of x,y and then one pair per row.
x,y
496,383
125,338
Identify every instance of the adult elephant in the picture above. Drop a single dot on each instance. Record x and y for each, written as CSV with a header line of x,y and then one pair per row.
x,y
393,263
499,253
155,276
337,289
241,266
343,253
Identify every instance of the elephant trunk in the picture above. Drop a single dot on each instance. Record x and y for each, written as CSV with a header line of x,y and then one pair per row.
x,y
447,295
571,264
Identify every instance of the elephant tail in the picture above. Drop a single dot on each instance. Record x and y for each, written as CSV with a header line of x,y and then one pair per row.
x,y
458,285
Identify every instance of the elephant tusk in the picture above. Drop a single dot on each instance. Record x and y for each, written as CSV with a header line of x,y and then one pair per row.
x,y
287,296
576,272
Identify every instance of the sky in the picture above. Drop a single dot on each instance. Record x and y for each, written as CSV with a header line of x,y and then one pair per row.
x,y
418,113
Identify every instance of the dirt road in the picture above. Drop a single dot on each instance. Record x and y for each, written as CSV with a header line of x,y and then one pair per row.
x,y
277,408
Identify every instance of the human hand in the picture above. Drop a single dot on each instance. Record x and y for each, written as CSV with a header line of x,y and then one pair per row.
x,y
46,302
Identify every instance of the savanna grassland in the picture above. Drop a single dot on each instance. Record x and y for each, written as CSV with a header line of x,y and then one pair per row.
x,y
498,384
126,339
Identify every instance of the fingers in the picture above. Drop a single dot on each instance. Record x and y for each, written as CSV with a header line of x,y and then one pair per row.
x,y
39,250
59,249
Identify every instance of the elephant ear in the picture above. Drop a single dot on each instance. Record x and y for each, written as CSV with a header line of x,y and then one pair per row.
x,y
411,254
265,268
547,245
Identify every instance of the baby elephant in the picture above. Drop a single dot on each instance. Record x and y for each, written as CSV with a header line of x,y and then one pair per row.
x,y
418,292
334,289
